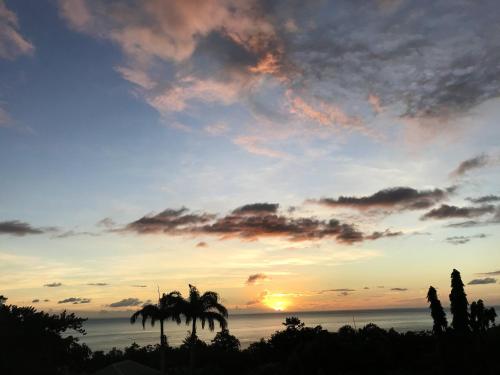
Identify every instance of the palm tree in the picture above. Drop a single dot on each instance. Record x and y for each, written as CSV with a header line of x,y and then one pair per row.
x,y
203,307
166,309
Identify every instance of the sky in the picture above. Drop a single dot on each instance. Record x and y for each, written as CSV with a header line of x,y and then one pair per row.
x,y
289,155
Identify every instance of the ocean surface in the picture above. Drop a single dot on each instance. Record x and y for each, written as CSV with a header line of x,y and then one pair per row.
x,y
104,334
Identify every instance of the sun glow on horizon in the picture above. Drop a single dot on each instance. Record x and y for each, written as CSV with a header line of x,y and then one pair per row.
x,y
277,302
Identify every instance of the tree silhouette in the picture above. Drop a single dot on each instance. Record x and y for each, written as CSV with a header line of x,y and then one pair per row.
x,y
203,307
437,312
226,342
293,323
481,317
459,304
166,309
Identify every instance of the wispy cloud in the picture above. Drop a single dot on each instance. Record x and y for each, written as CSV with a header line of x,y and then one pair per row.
x,y
486,280
460,240
256,278
476,162
53,285
75,300
485,199
338,72
12,43
126,302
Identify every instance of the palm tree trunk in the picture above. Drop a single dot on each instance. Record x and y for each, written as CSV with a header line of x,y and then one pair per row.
x,y
194,339
162,349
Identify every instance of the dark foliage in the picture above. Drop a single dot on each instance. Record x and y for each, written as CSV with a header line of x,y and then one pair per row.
x,y
459,304
438,315
33,342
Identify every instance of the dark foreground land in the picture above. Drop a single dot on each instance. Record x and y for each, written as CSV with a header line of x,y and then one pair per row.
x,y
31,344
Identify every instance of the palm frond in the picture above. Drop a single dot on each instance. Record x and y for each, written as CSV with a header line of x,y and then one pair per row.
x,y
211,317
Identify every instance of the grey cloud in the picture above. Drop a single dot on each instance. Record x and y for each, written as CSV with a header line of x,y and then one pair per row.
x,y
450,212
72,233
251,222
485,199
340,290
139,286
98,284
53,285
460,240
397,198
470,164
486,280
75,300
107,223
20,228
36,300
126,302
492,273
253,279
257,209
399,289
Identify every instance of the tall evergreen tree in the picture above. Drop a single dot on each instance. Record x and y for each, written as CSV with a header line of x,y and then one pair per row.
x,y
459,304
437,312
481,317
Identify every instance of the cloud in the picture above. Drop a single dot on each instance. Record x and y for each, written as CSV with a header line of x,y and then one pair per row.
x,y
342,291
107,223
484,199
72,233
255,278
98,284
216,129
262,295
492,273
75,300
20,228
126,302
471,164
253,144
202,244
36,300
5,119
12,43
257,209
53,285
486,280
46,300
332,64
397,198
251,222
399,289
460,240
451,212
139,286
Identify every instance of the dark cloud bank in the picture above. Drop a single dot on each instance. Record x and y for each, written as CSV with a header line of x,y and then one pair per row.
x,y
251,222
397,198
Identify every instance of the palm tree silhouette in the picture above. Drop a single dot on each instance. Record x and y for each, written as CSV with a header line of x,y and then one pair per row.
x,y
166,309
203,307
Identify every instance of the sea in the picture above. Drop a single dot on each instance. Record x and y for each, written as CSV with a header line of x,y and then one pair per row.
x,y
105,334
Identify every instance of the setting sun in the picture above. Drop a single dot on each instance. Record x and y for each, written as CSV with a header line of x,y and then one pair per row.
x,y
276,302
